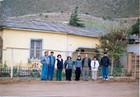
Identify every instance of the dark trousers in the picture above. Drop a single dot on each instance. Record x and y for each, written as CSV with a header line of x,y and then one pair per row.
x,y
77,73
68,74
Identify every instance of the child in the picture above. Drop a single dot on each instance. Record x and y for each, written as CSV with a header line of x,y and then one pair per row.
x,y
68,66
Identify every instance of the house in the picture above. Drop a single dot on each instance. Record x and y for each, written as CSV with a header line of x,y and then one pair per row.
x,y
24,41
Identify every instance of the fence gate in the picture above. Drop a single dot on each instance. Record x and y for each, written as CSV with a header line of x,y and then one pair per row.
x,y
133,65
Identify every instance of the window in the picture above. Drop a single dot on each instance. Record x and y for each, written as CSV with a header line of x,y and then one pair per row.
x,y
36,46
82,50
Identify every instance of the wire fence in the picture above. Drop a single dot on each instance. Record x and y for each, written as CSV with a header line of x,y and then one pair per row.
x,y
18,63
36,73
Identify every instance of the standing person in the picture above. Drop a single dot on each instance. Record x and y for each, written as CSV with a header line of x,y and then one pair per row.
x,y
68,67
59,67
86,67
51,66
78,66
45,62
105,62
94,68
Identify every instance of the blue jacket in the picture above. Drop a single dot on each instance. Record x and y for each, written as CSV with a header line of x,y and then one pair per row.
x,y
78,63
45,60
69,64
52,62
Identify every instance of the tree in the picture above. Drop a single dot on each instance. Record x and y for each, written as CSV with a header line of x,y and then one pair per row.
x,y
114,43
74,20
135,27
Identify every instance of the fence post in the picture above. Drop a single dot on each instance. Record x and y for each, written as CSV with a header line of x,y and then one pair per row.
x,y
135,70
112,65
129,63
12,63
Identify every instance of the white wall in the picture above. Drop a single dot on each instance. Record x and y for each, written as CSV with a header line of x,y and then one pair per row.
x,y
134,48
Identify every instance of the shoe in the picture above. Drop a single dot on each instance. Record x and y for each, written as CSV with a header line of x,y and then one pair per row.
x,y
43,79
106,79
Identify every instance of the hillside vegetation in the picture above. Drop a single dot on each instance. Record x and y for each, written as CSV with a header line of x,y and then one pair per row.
x,y
97,8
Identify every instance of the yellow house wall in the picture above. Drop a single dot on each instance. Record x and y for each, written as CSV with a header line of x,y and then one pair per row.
x,y
74,42
60,43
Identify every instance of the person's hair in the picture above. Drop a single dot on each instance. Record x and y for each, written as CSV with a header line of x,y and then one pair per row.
x,y
58,55
52,52
79,56
69,57
94,57
45,52
105,52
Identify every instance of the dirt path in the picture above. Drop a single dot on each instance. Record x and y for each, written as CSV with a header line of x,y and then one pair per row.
x,y
99,88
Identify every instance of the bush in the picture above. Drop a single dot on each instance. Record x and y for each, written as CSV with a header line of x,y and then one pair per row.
x,y
107,17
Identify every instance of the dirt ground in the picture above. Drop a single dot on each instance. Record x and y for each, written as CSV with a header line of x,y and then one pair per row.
x,y
115,87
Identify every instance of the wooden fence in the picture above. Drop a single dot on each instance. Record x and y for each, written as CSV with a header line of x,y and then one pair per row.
x,y
133,65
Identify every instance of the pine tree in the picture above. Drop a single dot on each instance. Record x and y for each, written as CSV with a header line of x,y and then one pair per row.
x,y
74,20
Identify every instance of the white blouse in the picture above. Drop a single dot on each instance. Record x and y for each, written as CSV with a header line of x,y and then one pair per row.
x,y
94,65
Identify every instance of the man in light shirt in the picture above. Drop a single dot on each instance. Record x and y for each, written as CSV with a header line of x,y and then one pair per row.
x,y
45,60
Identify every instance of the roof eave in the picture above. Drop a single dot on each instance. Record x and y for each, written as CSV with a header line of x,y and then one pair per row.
x,y
36,30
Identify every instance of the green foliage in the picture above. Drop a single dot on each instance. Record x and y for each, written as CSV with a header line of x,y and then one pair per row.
x,y
15,68
4,67
98,8
4,70
107,17
62,11
86,13
74,20
114,42
135,28
46,16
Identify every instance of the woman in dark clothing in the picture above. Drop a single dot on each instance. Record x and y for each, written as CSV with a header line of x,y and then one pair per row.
x,y
59,67
68,67
78,66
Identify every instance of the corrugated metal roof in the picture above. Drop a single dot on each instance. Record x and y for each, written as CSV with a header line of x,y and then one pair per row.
x,y
51,26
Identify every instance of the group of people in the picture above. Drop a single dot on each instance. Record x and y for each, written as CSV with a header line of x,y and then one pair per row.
x,y
50,63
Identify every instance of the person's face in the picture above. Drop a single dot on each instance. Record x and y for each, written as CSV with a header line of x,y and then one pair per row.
x,y
105,54
94,58
59,57
86,55
52,54
79,57
68,58
46,53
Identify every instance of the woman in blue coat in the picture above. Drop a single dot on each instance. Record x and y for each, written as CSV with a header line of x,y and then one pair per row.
x,y
78,67
68,67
